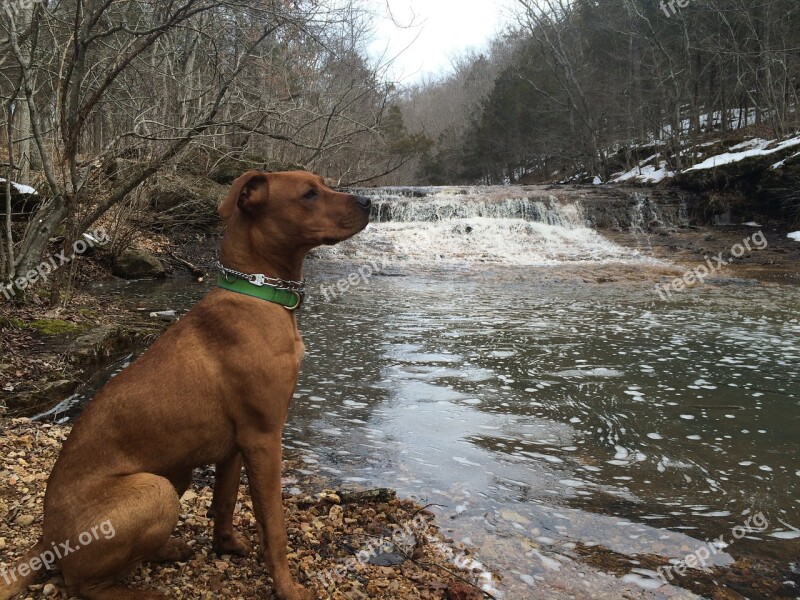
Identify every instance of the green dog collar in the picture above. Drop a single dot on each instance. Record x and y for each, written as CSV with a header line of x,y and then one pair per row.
x,y
289,299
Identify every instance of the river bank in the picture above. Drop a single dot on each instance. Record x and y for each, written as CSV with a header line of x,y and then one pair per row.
x,y
342,547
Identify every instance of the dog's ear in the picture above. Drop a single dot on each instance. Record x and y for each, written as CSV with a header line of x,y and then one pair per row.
x,y
247,192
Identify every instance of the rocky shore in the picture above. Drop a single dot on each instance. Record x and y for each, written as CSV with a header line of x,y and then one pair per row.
x,y
349,545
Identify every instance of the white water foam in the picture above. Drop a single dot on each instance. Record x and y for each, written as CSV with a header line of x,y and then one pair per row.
x,y
448,225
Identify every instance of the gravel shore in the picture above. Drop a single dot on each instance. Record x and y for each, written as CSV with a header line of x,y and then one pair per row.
x,y
341,546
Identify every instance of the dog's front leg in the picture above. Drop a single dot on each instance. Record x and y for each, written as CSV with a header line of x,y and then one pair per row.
x,y
262,457
228,475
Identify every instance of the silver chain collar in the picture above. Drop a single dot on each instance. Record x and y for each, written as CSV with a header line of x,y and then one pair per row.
x,y
260,279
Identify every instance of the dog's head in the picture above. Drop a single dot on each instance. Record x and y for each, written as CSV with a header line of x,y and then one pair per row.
x,y
295,207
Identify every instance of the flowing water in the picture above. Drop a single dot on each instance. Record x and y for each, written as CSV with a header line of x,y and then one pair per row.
x,y
491,355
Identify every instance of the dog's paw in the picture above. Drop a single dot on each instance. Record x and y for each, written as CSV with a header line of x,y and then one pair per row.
x,y
173,551
234,544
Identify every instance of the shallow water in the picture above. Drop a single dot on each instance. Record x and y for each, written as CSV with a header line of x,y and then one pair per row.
x,y
509,397
545,397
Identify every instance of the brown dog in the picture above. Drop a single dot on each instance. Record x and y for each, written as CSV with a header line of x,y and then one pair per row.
x,y
214,389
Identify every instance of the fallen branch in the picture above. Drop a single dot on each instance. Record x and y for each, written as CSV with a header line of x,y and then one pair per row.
x,y
196,271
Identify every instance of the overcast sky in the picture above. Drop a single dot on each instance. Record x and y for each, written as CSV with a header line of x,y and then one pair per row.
x,y
440,30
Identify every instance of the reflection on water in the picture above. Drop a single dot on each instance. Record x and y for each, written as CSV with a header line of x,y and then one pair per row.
x,y
561,413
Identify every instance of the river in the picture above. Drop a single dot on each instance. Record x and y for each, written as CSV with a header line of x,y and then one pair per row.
x,y
496,357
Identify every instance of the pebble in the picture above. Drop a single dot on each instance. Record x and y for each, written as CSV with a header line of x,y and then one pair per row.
x,y
189,495
49,590
221,565
2,543
336,515
24,520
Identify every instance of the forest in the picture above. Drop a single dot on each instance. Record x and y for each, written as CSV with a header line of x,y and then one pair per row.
x,y
99,96
591,86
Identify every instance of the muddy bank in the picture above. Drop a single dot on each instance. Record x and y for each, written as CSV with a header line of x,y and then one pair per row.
x,y
772,257
48,354
341,546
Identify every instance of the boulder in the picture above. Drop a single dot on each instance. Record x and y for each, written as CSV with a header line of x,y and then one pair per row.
x,y
25,200
138,264
170,191
95,347
754,188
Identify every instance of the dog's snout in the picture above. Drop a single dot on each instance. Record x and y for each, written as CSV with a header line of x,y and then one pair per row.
x,y
364,202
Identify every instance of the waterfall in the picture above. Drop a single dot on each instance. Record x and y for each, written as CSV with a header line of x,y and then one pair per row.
x,y
449,225
447,204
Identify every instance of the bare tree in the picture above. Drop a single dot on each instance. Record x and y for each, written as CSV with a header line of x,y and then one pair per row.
x,y
147,81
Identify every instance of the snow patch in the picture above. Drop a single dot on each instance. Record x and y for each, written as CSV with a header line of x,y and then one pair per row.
x,y
779,164
734,157
646,174
795,235
21,188
759,143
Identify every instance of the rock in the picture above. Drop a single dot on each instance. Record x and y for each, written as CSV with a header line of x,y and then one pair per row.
x,y
462,591
336,515
58,390
2,543
330,496
376,495
187,200
165,315
221,565
24,520
24,199
757,186
49,590
617,209
387,559
138,264
98,344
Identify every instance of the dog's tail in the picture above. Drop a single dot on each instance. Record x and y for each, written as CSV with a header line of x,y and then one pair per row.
x,y
12,582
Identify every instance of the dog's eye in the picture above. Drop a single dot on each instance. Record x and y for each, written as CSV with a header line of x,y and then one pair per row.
x,y
310,194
